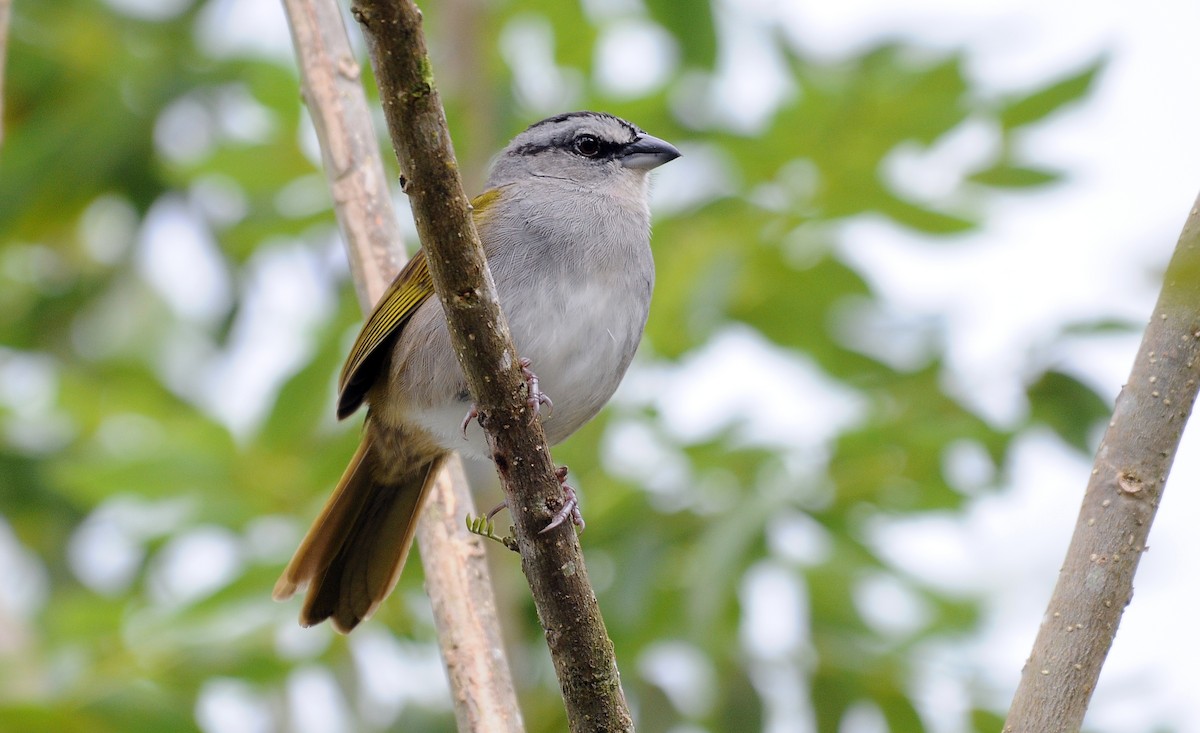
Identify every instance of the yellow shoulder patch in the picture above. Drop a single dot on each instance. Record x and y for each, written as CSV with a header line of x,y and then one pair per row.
x,y
483,201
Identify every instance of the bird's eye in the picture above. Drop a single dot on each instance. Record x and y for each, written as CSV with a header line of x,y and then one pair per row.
x,y
587,146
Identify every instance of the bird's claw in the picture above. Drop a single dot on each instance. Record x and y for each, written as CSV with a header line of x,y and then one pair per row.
x,y
537,397
466,423
570,506
496,510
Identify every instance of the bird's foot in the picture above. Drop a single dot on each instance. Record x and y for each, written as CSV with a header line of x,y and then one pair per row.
x,y
570,506
537,397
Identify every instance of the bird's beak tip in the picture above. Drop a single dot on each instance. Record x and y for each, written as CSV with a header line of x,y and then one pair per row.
x,y
648,152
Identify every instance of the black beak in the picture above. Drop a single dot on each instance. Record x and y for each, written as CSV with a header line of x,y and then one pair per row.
x,y
647,153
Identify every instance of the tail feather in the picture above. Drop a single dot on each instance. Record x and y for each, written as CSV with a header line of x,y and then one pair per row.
x,y
329,529
352,556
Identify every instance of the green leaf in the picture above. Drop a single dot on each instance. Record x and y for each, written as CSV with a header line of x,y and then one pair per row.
x,y
986,721
899,710
924,219
724,553
574,35
692,25
1103,327
1043,102
1005,175
34,718
1067,407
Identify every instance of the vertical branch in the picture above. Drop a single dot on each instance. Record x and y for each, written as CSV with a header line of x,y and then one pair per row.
x,y
332,89
456,573
553,563
1127,482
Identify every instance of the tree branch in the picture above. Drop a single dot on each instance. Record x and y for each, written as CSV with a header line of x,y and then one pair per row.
x,y
456,572
1128,478
553,563
332,88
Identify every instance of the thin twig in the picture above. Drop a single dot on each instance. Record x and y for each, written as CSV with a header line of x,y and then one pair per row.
x,y
553,563
1127,482
455,565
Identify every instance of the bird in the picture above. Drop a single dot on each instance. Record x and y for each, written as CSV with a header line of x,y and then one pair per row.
x,y
564,220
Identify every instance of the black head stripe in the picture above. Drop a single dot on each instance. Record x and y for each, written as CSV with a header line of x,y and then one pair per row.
x,y
587,115
565,139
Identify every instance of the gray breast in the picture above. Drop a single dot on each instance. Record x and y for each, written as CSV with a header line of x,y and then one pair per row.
x,y
575,284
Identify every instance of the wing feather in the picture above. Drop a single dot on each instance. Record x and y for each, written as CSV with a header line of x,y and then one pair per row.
x,y
406,293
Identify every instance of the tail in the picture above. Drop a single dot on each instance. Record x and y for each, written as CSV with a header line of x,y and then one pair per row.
x,y
352,555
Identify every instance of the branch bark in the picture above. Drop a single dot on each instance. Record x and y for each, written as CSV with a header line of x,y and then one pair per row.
x,y
553,563
1126,485
456,572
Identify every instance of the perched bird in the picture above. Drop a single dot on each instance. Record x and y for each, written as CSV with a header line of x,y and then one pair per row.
x,y
565,223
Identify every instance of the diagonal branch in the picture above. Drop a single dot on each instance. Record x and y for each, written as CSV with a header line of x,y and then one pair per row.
x,y
553,563
1128,478
456,570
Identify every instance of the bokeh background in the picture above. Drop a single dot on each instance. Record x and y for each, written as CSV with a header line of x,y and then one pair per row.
x,y
903,267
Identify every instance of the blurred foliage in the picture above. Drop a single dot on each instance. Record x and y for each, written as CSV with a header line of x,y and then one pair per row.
x,y
142,533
